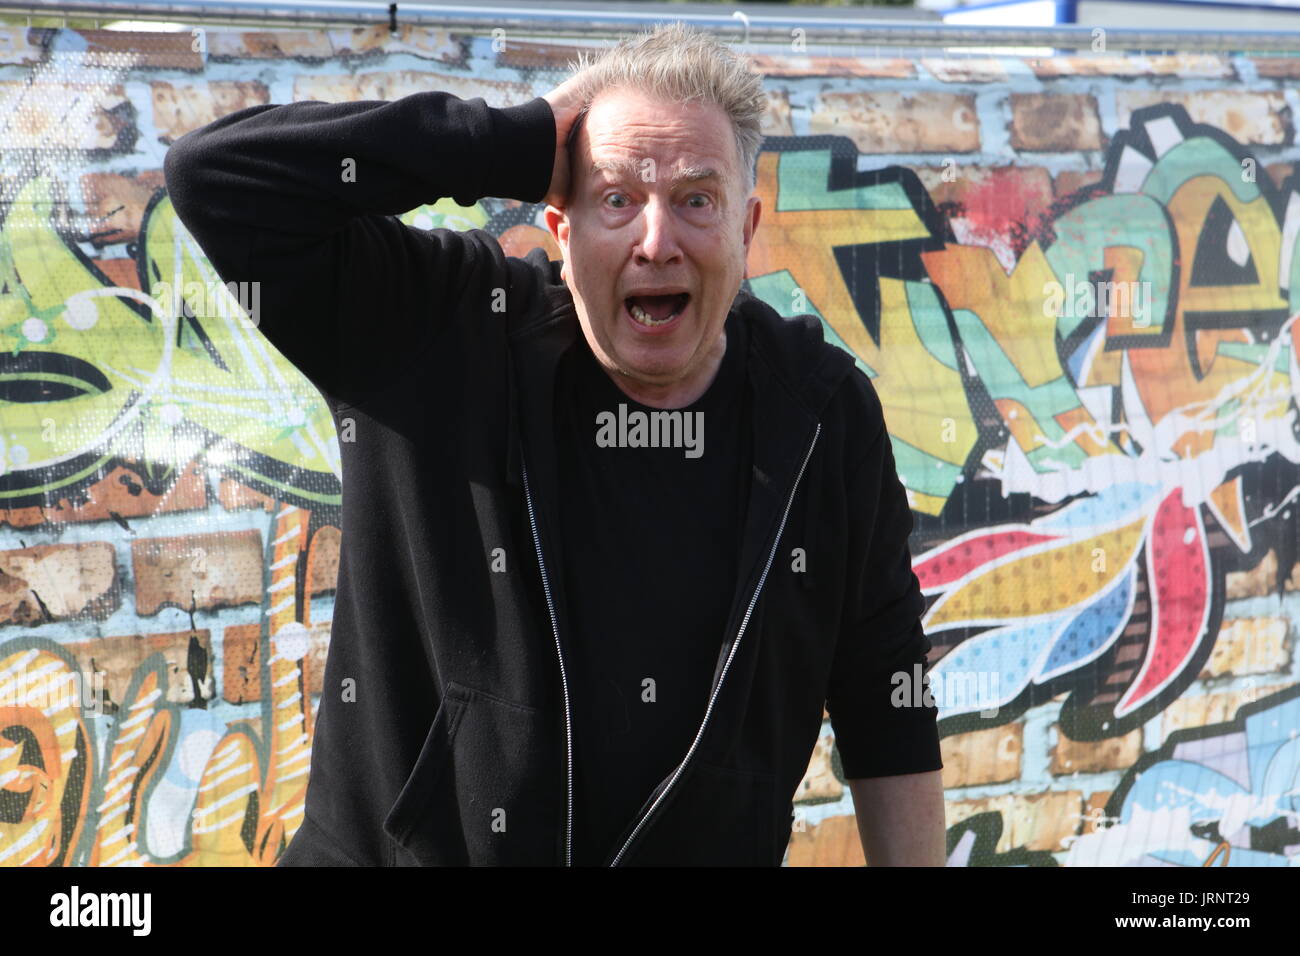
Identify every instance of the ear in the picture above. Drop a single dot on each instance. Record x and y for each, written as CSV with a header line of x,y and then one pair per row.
x,y
753,212
557,222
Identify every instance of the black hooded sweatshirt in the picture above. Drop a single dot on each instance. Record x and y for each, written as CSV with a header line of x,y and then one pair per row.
x,y
439,353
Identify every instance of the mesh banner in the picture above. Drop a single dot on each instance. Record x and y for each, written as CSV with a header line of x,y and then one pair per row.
x,y
1072,280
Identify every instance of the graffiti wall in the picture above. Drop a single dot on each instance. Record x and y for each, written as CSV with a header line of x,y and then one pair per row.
x,y
1073,281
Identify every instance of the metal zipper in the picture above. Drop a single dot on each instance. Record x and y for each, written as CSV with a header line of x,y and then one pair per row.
x,y
753,601
564,680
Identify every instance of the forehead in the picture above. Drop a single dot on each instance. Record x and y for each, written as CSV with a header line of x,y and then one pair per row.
x,y
624,126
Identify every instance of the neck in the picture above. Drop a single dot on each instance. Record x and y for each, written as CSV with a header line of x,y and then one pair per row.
x,y
680,393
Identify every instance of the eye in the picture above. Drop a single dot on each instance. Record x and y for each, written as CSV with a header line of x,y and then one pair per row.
x,y
616,196
700,196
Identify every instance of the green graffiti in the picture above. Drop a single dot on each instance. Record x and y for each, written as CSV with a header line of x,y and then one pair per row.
x,y
778,290
165,376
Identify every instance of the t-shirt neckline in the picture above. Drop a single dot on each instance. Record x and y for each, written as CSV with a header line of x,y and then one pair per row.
x,y
719,389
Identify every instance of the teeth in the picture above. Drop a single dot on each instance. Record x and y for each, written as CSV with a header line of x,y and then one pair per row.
x,y
645,318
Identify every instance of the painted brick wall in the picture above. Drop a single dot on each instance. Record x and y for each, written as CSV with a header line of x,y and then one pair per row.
x,y
1103,500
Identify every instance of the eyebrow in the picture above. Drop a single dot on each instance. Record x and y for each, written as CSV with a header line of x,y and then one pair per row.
x,y
632,168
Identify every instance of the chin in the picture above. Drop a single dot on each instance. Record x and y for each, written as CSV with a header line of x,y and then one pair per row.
x,y
661,365
654,373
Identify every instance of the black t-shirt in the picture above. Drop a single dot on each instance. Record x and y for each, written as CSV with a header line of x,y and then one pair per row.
x,y
651,540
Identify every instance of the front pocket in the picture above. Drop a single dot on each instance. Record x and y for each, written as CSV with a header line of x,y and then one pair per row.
x,y
425,819
721,816
487,787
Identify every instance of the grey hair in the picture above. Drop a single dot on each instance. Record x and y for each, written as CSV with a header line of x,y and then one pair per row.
x,y
677,63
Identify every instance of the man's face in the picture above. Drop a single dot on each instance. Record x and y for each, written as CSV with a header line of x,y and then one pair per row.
x,y
657,204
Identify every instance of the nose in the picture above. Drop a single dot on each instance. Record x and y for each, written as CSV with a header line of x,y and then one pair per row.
x,y
659,233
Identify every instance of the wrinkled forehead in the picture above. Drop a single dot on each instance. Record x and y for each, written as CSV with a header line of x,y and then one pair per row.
x,y
646,169
612,152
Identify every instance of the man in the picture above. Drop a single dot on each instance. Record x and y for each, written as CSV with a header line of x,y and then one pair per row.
x,y
613,530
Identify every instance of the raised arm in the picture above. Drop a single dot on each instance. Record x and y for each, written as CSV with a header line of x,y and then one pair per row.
x,y
302,198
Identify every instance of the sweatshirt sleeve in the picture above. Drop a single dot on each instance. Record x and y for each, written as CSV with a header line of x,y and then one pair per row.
x,y
882,636
302,199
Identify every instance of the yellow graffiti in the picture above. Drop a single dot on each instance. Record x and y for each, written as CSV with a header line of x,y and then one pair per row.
x,y
1042,582
918,392
46,762
250,798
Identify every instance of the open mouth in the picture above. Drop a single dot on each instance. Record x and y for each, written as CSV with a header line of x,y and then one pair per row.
x,y
656,311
